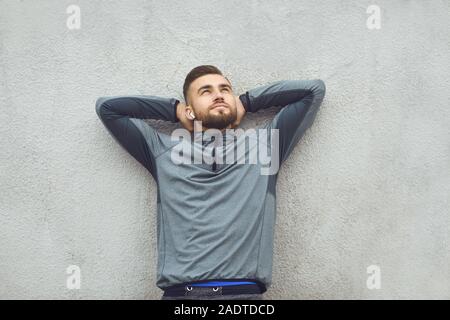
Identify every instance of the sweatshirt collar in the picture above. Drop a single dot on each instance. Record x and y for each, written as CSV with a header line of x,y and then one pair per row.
x,y
213,136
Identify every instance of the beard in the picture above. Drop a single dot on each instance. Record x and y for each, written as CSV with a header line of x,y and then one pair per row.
x,y
218,120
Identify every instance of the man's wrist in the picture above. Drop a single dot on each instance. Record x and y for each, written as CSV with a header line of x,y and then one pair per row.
x,y
245,100
178,106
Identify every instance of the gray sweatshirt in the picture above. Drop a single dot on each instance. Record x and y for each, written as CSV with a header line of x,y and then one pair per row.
x,y
215,219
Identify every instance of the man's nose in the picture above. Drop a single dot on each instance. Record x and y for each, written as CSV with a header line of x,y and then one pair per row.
x,y
218,95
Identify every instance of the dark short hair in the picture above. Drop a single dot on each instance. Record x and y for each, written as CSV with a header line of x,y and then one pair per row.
x,y
197,72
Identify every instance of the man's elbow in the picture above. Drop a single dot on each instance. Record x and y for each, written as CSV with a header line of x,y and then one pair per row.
x,y
100,106
320,87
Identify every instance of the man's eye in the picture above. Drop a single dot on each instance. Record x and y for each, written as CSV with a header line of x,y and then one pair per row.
x,y
205,91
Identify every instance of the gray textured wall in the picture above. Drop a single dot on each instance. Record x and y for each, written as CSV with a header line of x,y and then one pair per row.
x,y
368,185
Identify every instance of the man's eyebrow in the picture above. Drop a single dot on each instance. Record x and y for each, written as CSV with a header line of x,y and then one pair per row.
x,y
208,86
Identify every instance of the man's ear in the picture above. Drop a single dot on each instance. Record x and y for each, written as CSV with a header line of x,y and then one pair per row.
x,y
190,113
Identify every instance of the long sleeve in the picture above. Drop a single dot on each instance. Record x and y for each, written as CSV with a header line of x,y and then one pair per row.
x,y
123,117
299,100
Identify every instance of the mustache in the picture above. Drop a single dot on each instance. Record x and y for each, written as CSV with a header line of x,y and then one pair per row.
x,y
219,104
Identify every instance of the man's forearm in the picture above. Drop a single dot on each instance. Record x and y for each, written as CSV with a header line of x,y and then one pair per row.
x,y
280,93
137,106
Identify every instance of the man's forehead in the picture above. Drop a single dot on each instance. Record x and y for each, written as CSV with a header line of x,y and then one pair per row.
x,y
210,79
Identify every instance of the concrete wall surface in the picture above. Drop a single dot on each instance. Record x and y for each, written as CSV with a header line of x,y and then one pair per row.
x,y
362,202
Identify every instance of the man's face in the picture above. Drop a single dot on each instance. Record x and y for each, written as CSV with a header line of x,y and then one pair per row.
x,y
212,101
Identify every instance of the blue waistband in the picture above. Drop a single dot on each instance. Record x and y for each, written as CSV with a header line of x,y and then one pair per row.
x,y
220,283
